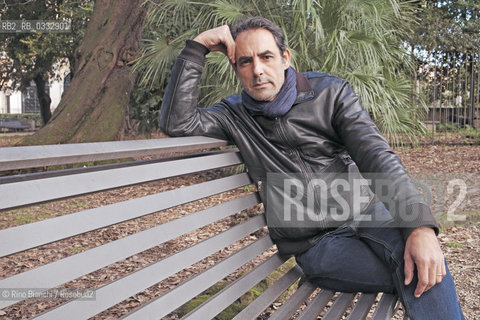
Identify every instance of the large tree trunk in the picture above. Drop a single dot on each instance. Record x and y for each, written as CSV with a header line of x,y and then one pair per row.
x,y
95,107
43,98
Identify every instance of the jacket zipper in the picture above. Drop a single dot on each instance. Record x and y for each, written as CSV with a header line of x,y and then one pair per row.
x,y
305,172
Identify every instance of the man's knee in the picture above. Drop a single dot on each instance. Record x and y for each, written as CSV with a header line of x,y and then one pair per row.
x,y
332,256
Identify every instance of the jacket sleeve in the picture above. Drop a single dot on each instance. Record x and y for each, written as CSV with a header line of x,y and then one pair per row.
x,y
377,162
179,114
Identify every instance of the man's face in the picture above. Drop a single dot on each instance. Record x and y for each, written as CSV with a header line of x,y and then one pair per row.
x,y
259,64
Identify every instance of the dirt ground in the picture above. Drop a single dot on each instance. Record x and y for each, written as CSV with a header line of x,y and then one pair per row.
x,y
460,241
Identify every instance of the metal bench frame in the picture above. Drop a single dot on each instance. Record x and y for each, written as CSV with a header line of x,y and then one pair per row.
x,y
27,189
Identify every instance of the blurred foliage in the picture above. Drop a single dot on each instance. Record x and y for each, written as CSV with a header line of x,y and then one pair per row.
x,y
452,25
28,54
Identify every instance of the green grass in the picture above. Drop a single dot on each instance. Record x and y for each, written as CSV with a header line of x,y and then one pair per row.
x,y
249,188
454,244
24,218
29,215
77,250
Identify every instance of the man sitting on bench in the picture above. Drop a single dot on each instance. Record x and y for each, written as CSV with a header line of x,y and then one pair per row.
x,y
302,136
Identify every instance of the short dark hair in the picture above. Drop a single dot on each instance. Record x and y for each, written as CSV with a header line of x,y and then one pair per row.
x,y
249,23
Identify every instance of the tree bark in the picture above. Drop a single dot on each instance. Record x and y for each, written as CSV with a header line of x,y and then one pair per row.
x,y
43,98
95,107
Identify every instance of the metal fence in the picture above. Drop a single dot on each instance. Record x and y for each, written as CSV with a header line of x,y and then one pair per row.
x,y
450,85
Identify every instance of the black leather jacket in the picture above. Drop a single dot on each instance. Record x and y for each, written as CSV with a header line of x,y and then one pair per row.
x,y
325,127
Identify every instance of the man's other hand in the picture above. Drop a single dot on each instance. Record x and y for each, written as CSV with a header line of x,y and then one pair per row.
x,y
219,39
423,250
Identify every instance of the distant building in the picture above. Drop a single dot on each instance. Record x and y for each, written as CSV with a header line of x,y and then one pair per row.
x,y
27,100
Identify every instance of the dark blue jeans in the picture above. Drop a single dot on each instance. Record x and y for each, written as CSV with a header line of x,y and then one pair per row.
x,y
367,259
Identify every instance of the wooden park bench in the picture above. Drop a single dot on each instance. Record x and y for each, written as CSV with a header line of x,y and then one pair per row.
x,y
148,253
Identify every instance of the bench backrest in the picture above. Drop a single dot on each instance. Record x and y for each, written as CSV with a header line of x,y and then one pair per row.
x,y
22,191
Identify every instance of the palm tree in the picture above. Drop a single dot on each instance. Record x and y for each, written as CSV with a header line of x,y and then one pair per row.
x,y
358,40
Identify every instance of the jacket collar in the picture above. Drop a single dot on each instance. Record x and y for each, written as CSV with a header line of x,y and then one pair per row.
x,y
304,89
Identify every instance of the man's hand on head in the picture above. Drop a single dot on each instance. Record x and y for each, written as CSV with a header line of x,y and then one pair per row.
x,y
219,39
423,250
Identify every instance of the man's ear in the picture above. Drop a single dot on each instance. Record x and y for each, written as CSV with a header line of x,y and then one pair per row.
x,y
286,58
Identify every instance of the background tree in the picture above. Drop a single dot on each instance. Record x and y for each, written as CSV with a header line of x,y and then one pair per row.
x,y
446,51
95,106
31,56
360,41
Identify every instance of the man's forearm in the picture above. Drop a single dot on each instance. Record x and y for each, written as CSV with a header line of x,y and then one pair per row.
x,y
377,162
181,94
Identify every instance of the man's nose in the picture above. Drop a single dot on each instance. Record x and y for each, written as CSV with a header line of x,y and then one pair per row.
x,y
257,68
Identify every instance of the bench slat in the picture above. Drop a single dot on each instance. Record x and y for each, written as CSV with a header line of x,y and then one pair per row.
x,y
343,301
228,295
188,290
316,306
363,306
121,289
291,305
38,156
39,233
29,192
385,308
254,309
70,268
102,167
